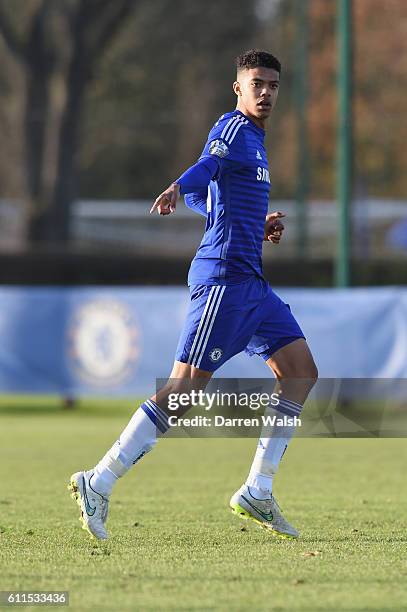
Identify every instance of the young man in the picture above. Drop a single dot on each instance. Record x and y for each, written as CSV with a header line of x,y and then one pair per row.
x,y
232,306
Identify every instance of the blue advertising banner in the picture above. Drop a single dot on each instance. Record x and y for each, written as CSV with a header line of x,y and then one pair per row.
x,y
114,341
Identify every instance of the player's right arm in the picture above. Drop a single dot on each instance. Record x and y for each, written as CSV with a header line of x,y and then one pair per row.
x,y
166,202
209,167
195,179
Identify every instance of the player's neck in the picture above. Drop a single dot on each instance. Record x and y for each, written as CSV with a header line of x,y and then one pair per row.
x,y
261,123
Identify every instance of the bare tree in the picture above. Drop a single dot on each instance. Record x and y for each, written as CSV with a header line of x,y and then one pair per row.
x,y
63,41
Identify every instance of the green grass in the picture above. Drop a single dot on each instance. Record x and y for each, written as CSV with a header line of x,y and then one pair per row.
x,y
174,545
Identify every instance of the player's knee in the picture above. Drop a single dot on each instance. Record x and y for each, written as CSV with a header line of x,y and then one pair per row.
x,y
311,376
186,384
311,371
306,370
308,373
298,378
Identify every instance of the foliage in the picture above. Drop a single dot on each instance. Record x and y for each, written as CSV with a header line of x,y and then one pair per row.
x,y
102,99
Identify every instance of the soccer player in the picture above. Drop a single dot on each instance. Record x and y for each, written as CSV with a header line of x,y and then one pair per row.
x,y
232,307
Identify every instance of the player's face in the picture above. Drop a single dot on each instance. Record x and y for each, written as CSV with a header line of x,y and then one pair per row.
x,y
257,91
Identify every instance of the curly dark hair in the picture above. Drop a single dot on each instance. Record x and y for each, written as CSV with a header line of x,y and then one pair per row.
x,y
255,58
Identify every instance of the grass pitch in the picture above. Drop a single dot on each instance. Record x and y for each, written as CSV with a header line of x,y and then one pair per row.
x,y
173,543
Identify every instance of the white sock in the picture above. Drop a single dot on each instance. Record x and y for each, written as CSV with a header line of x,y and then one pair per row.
x,y
271,447
137,439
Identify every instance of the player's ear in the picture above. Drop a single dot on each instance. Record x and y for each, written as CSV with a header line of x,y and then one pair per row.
x,y
236,88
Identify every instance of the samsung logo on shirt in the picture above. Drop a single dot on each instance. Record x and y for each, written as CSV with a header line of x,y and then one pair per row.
x,y
263,174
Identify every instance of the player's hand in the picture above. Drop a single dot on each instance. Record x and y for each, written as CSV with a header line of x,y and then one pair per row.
x,y
273,227
166,202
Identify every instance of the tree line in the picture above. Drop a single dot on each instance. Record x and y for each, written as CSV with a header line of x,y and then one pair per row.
x,y
105,99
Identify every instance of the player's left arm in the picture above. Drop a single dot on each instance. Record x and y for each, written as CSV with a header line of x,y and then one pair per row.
x,y
197,201
273,227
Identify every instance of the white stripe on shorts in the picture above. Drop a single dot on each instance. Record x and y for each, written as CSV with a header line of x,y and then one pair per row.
x,y
208,333
205,325
211,296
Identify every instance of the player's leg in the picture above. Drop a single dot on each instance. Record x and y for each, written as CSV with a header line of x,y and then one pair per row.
x,y
148,423
220,322
296,373
213,333
92,488
295,369
279,340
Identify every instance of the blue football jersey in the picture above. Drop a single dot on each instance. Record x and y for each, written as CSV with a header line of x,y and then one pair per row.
x,y
238,195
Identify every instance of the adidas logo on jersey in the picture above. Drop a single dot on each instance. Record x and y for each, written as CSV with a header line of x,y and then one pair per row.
x,y
258,155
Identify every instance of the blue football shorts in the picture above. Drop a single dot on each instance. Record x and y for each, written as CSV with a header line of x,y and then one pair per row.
x,y
224,320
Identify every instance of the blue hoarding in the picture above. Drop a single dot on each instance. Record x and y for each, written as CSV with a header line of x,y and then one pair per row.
x,y
117,341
